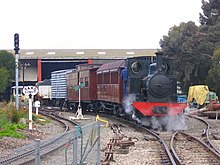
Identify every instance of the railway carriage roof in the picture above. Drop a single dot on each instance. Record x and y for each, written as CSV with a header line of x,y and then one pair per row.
x,y
112,65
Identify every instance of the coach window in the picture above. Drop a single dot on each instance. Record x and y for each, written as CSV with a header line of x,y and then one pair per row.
x,y
114,78
106,77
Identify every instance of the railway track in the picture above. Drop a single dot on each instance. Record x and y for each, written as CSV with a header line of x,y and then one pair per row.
x,y
188,149
204,151
27,153
162,154
205,136
214,133
193,146
165,147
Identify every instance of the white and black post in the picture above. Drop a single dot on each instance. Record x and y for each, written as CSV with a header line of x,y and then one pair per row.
x,y
30,111
30,91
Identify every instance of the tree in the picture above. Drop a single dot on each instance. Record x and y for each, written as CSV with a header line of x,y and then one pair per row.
x,y
211,11
7,69
183,45
213,78
4,79
210,24
192,47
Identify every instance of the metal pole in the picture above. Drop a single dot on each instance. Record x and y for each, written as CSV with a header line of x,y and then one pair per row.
x,y
37,152
16,45
79,96
98,145
75,145
24,66
16,80
23,74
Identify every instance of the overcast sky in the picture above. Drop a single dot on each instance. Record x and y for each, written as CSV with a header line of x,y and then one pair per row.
x,y
92,24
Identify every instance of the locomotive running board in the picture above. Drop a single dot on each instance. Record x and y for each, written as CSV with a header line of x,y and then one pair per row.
x,y
159,109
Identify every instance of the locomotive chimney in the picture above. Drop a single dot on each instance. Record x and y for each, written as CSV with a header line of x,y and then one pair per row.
x,y
159,60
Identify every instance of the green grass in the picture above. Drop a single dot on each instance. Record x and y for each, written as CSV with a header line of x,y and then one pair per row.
x,y
9,121
10,130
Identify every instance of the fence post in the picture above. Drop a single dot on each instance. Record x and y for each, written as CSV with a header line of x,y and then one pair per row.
x,y
75,145
37,152
98,153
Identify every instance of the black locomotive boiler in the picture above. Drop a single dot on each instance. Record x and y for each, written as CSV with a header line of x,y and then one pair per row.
x,y
154,86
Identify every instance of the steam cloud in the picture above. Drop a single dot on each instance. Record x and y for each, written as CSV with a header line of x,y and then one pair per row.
x,y
127,103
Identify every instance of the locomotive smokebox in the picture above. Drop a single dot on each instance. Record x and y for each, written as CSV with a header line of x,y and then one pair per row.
x,y
159,60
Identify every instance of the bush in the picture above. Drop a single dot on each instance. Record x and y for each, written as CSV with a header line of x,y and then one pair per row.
x,y
9,121
14,115
3,119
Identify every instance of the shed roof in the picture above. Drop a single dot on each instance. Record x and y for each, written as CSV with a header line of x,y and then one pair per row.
x,y
83,53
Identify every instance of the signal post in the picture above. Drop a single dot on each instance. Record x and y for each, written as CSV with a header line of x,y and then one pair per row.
x,y
16,48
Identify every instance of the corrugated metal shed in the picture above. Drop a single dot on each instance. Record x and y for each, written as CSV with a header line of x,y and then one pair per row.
x,y
83,53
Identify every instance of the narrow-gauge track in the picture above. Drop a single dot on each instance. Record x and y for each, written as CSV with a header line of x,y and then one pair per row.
x,y
214,133
158,143
188,149
203,146
163,154
55,116
194,146
27,153
206,133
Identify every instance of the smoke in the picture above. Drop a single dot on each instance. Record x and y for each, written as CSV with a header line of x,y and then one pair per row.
x,y
169,123
127,104
175,123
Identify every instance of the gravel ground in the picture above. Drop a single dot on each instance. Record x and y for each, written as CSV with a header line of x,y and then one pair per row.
x,y
7,144
143,152
140,149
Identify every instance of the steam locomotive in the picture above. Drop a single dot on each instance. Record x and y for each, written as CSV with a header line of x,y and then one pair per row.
x,y
139,87
157,89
